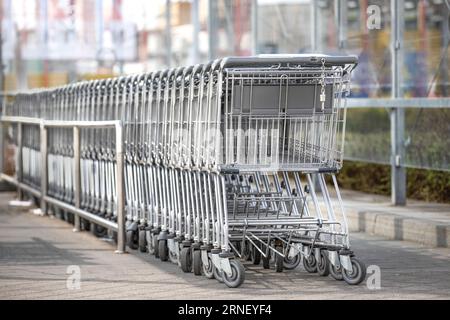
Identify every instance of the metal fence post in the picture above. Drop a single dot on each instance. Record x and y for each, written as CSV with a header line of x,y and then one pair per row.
x,y
77,175
195,20
342,21
254,9
397,115
168,34
44,169
19,159
314,31
120,191
212,27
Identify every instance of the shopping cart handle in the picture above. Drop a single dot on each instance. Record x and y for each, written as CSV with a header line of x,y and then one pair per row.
x,y
328,170
229,171
295,59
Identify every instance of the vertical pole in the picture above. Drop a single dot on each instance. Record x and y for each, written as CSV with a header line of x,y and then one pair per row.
x,y
342,18
99,29
445,42
212,37
2,87
2,133
44,174
254,9
397,115
76,175
168,35
231,28
120,191
314,31
19,159
195,31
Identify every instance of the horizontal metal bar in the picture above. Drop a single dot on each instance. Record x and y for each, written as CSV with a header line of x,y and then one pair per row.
x,y
27,120
81,124
60,123
83,214
398,103
20,185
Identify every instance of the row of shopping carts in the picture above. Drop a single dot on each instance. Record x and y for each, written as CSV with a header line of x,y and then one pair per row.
x,y
225,162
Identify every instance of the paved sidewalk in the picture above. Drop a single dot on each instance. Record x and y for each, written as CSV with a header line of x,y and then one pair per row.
x,y
418,221
35,253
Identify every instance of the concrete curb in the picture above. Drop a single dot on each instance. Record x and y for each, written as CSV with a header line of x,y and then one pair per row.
x,y
396,227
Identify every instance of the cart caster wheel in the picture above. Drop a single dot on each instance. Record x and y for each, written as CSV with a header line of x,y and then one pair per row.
x,y
218,274
85,225
99,231
279,260
246,254
130,240
310,264
163,250
323,268
155,246
142,241
358,273
197,262
237,274
70,218
255,256
336,272
292,263
150,247
208,270
266,262
173,256
114,236
186,259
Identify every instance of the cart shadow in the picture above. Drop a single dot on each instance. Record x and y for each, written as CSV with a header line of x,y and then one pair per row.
x,y
39,252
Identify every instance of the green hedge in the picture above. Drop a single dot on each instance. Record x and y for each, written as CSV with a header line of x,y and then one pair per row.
x,y
428,185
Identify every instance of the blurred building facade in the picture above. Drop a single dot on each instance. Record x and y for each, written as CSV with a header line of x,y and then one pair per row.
x,y
53,42
48,42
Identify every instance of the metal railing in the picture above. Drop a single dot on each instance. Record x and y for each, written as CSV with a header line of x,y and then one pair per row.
x,y
75,209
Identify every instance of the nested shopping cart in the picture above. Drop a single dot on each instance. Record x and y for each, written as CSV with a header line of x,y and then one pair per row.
x,y
225,162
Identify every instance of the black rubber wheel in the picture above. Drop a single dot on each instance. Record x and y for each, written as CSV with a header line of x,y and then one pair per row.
x,y
255,256
150,247
163,250
100,231
266,261
186,259
336,272
197,262
358,273
217,274
323,268
114,236
208,270
142,242
130,239
85,225
156,246
173,256
70,218
279,260
292,263
237,274
310,264
246,254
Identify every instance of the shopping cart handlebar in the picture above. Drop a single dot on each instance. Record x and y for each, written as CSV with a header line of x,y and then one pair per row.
x,y
304,60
